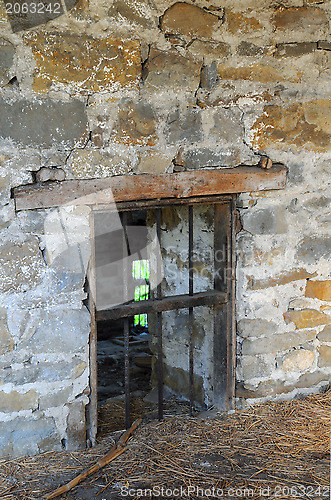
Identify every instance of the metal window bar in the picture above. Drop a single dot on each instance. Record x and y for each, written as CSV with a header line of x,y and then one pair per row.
x,y
126,251
191,318
218,297
159,322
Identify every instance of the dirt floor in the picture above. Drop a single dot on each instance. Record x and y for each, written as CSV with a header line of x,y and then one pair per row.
x,y
275,450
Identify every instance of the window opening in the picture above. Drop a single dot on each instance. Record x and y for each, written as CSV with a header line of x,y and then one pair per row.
x,y
141,272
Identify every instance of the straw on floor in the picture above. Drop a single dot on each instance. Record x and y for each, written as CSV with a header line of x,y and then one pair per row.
x,y
281,445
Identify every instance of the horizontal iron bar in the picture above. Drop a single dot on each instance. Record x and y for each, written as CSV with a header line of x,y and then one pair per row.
x,y
210,298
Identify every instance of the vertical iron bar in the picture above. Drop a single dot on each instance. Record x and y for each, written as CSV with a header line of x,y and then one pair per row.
x,y
232,311
126,323
159,323
191,290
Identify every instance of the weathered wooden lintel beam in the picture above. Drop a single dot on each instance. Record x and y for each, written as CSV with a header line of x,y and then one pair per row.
x,y
126,188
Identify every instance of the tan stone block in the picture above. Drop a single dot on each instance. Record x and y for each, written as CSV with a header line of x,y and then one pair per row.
x,y
171,70
83,62
134,11
209,51
325,356
152,162
6,340
325,334
79,369
318,113
280,279
255,73
135,124
319,289
238,23
81,10
283,127
299,360
307,318
188,20
4,22
308,19
15,401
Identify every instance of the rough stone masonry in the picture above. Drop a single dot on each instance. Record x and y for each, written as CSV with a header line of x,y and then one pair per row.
x,y
152,86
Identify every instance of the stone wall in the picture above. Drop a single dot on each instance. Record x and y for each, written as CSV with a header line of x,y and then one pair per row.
x,y
142,86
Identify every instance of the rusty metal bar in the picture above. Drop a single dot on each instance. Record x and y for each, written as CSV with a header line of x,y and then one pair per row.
x,y
159,322
126,252
191,319
232,308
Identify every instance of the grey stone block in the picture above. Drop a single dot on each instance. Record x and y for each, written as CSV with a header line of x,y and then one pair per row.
x,y
253,367
66,331
76,427
7,52
294,173
205,157
276,343
42,372
21,265
325,334
43,123
6,340
250,49
265,221
184,126
313,248
324,45
208,76
54,399
295,49
171,70
256,328
24,436
24,21
315,204
227,125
